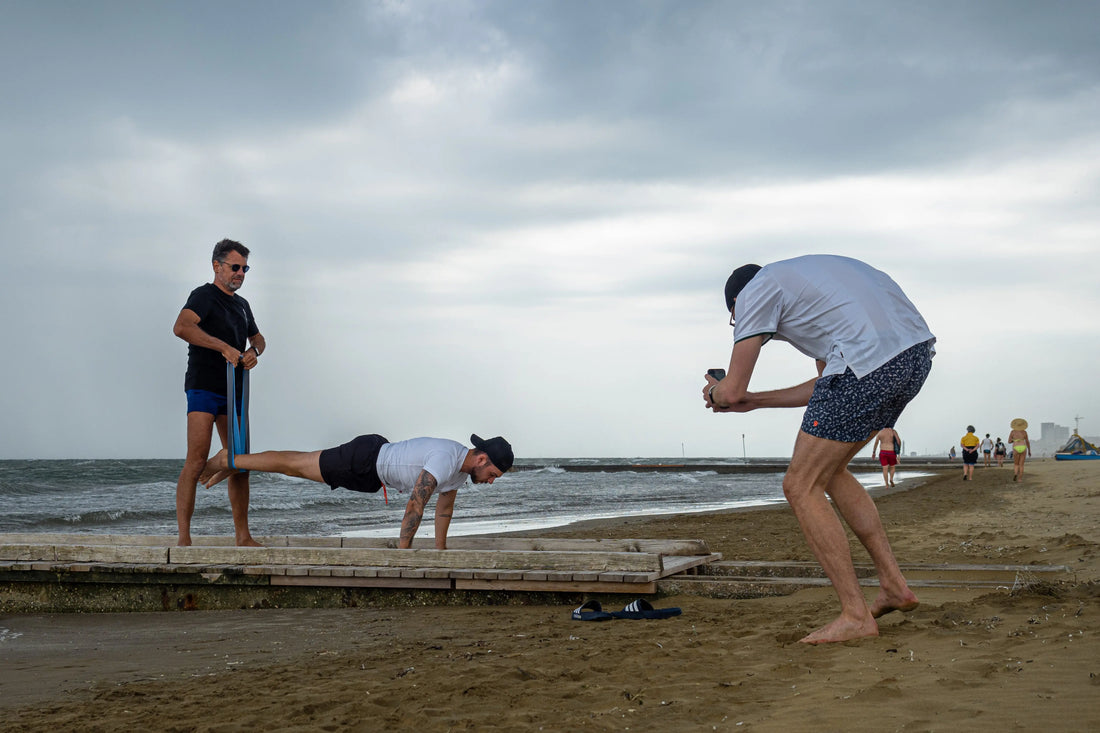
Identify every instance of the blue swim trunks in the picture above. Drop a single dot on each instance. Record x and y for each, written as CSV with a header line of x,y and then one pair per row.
x,y
202,400
850,410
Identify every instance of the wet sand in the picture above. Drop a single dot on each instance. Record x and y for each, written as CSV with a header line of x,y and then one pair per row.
x,y
964,660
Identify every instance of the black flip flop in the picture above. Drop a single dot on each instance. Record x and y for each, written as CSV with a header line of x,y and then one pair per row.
x,y
591,611
642,608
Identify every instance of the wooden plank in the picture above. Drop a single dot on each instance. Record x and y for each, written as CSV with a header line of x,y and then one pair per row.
x,y
543,544
671,565
509,575
415,583
629,577
28,552
534,544
436,572
58,538
78,567
586,577
486,574
97,540
504,559
564,576
390,572
556,586
83,553
263,570
302,541
674,547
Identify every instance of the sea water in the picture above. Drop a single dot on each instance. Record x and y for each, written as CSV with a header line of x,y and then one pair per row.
x,y
139,497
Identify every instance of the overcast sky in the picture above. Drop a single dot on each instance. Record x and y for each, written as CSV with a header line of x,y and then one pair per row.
x,y
517,218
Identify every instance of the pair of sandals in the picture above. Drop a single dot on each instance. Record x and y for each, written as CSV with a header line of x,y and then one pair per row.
x,y
639,609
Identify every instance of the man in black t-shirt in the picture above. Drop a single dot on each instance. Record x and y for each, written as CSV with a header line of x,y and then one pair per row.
x,y
216,323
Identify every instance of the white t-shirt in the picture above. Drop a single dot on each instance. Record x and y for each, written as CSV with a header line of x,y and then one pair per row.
x,y
836,309
987,445
399,464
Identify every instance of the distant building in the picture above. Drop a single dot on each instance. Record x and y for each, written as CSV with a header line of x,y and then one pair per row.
x,y
1052,437
1051,433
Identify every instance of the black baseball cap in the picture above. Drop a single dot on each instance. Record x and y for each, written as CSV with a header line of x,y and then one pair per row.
x,y
498,449
737,282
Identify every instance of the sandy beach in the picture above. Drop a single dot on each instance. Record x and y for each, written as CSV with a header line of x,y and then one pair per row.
x,y
1025,658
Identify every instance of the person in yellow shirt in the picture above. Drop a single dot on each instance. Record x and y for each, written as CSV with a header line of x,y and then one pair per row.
x,y
969,443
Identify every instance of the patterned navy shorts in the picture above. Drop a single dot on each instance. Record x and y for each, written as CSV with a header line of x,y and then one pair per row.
x,y
851,410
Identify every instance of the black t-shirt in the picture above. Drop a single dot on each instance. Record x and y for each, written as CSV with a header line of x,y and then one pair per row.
x,y
226,317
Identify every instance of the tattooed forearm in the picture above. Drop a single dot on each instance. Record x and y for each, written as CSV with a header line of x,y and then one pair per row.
x,y
414,512
444,507
409,525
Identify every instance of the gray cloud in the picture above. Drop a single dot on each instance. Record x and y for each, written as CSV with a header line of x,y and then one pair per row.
x,y
417,179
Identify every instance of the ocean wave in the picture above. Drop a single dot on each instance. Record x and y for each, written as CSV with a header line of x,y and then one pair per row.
x,y
109,516
8,635
540,469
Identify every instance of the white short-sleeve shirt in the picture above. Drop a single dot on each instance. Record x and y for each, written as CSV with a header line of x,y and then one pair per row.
x,y
836,309
399,464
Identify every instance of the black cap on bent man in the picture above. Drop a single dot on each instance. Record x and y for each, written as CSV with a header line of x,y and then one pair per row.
x,y
498,449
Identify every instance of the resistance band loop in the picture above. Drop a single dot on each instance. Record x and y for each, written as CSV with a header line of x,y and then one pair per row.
x,y
238,413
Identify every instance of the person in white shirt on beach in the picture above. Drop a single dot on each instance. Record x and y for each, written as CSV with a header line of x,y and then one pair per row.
x,y
873,351
987,450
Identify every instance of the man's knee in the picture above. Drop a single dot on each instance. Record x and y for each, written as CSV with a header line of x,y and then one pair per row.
x,y
796,486
192,466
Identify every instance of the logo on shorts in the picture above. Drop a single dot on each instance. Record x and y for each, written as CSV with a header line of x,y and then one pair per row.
x,y
815,423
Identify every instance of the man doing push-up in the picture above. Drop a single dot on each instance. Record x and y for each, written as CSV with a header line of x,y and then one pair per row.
x,y
424,465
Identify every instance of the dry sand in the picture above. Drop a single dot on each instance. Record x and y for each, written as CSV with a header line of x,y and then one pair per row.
x,y
964,660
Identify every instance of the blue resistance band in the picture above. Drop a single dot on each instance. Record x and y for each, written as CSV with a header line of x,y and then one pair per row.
x,y
238,419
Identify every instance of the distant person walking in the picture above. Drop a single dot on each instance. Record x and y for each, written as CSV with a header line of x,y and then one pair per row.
x,y
888,455
873,352
216,323
1000,451
969,444
1021,447
987,450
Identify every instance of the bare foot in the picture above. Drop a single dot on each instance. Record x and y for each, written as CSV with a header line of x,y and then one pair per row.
x,y
842,629
248,542
217,469
219,477
884,604
184,542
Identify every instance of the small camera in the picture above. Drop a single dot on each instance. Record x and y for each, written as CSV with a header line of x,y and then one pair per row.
x,y
718,374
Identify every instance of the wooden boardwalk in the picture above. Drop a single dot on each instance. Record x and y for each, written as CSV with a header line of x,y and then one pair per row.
x,y
57,571
80,572
756,579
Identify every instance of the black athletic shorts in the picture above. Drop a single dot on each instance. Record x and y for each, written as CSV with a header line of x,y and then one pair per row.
x,y
353,465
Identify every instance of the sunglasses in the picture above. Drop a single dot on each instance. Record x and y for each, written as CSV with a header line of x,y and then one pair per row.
x,y
236,268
